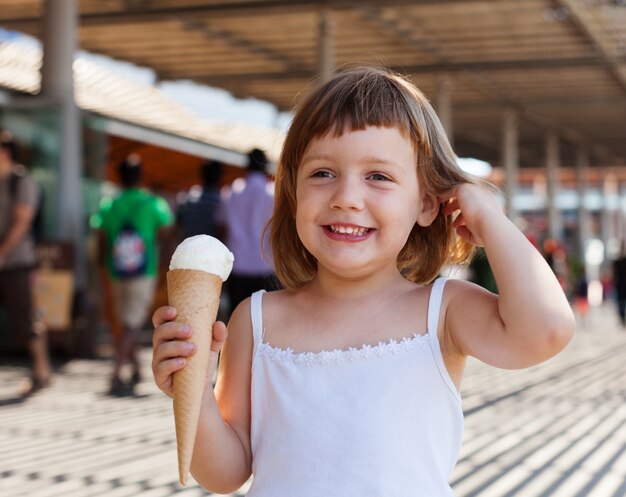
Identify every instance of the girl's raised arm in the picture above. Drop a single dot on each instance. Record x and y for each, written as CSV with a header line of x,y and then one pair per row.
x,y
530,320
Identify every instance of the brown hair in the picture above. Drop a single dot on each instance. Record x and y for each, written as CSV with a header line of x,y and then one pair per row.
x,y
355,99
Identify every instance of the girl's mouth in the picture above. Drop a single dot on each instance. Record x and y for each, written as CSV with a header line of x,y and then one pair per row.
x,y
348,230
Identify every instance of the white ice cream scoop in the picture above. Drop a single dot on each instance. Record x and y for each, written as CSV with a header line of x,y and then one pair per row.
x,y
203,253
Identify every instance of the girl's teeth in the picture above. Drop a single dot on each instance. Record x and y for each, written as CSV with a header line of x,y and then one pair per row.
x,y
349,230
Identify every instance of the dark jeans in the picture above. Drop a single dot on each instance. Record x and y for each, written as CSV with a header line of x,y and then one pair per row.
x,y
240,287
15,297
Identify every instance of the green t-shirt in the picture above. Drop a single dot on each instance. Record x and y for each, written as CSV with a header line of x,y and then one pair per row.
x,y
145,212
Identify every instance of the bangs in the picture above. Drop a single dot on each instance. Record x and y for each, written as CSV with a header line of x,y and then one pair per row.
x,y
358,99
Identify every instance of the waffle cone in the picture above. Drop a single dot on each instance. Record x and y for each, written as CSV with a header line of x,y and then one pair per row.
x,y
196,296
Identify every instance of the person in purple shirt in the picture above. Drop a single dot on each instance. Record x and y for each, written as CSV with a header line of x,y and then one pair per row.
x,y
246,208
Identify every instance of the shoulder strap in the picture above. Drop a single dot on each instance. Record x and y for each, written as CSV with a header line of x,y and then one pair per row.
x,y
434,305
256,315
434,310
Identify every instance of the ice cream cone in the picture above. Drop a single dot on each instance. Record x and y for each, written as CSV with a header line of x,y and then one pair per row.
x,y
195,295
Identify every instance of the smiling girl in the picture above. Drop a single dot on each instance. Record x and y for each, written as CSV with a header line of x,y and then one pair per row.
x,y
347,382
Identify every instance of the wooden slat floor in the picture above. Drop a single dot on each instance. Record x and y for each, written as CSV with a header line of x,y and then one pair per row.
x,y
555,430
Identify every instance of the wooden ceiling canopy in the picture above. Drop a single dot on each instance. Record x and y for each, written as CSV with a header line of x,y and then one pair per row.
x,y
559,64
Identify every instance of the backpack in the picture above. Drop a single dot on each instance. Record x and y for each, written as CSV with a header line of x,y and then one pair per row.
x,y
37,227
128,252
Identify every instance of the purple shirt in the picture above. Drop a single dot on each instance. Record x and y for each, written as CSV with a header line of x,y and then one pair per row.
x,y
246,208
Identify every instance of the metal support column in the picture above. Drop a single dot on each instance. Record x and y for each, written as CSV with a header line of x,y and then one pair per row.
x,y
444,106
57,83
552,175
326,58
582,168
608,221
621,213
510,160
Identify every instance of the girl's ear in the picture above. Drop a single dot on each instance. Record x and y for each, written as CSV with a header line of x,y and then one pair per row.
x,y
428,210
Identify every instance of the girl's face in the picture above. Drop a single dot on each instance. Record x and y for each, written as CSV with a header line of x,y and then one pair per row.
x,y
358,198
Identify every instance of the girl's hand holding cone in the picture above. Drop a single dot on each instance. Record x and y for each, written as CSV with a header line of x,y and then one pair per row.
x,y
171,347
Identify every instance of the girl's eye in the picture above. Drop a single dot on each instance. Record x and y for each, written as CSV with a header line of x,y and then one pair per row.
x,y
321,174
379,177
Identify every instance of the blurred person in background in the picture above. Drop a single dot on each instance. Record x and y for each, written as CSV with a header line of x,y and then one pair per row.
x,y
19,199
245,210
481,273
619,282
129,227
556,257
197,215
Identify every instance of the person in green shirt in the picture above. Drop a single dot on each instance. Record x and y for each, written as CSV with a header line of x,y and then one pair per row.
x,y
129,227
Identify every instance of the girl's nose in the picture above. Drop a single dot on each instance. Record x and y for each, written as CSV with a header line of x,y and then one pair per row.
x,y
347,194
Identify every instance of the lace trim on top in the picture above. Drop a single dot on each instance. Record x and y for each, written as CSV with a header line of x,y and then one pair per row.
x,y
338,356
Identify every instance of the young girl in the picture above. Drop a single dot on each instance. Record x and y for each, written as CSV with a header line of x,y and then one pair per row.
x,y
347,382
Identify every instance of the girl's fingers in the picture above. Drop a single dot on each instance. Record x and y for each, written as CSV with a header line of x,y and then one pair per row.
x,y
464,233
169,357
219,336
163,314
447,195
172,349
458,221
171,346
163,373
170,331
451,206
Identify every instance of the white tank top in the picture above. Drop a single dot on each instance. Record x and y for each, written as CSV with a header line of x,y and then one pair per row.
x,y
376,421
